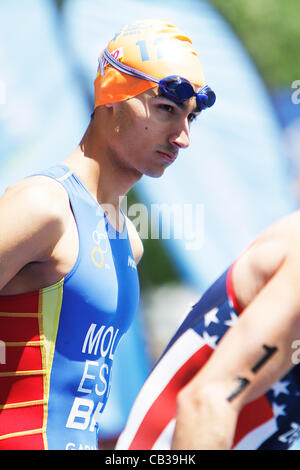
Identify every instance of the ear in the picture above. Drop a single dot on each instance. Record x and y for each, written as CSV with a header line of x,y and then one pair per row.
x,y
108,105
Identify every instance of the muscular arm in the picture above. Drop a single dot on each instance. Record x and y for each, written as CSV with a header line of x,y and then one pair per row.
x,y
31,223
253,355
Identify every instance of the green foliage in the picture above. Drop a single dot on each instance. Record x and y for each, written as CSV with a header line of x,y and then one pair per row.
x,y
270,31
155,267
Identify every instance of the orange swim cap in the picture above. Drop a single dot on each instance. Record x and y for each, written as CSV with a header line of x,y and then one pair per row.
x,y
154,47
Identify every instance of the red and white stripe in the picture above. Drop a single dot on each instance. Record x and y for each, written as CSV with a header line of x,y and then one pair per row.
x,y
151,417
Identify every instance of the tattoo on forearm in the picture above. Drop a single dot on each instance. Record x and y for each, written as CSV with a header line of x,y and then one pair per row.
x,y
269,351
244,382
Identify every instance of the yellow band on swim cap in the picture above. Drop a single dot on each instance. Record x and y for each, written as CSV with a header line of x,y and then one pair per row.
x,y
154,47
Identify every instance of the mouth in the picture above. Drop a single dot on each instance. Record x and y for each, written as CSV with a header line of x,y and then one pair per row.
x,y
167,156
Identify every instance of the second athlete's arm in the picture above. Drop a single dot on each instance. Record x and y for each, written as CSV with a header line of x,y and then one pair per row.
x,y
253,355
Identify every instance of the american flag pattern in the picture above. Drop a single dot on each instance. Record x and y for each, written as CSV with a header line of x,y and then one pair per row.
x,y
270,422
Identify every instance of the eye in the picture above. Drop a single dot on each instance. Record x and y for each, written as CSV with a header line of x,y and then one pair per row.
x,y
166,107
192,117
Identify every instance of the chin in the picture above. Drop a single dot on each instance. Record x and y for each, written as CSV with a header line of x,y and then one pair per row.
x,y
154,173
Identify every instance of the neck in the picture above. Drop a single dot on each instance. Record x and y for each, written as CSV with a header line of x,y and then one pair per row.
x,y
107,181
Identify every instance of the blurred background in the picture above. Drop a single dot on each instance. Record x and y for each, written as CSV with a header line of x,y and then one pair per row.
x,y
242,168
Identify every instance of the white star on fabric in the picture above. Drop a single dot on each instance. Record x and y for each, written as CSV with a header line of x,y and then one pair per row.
x,y
280,387
278,410
211,317
210,340
233,319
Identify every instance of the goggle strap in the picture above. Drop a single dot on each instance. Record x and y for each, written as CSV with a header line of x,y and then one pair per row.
x,y
101,67
126,69
106,55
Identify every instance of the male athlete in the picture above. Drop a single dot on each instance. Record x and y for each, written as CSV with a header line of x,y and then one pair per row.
x,y
68,279
230,377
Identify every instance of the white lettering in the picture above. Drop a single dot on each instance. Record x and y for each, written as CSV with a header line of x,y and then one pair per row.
x,y
80,414
87,376
93,342
72,446
103,339
96,416
111,356
103,379
131,262
128,461
103,351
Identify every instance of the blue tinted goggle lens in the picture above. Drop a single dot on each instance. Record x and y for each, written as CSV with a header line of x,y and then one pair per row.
x,y
179,89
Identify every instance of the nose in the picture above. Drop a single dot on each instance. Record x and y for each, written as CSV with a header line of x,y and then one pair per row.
x,y
181,136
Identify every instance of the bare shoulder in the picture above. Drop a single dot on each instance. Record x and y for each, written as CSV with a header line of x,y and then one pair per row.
x,y
35,209
34,214
40,191
276,246
135,241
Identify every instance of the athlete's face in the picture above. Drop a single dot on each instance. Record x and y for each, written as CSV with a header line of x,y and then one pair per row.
x,y
149,130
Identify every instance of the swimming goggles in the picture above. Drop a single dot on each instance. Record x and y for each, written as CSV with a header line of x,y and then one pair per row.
x,y
174,87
